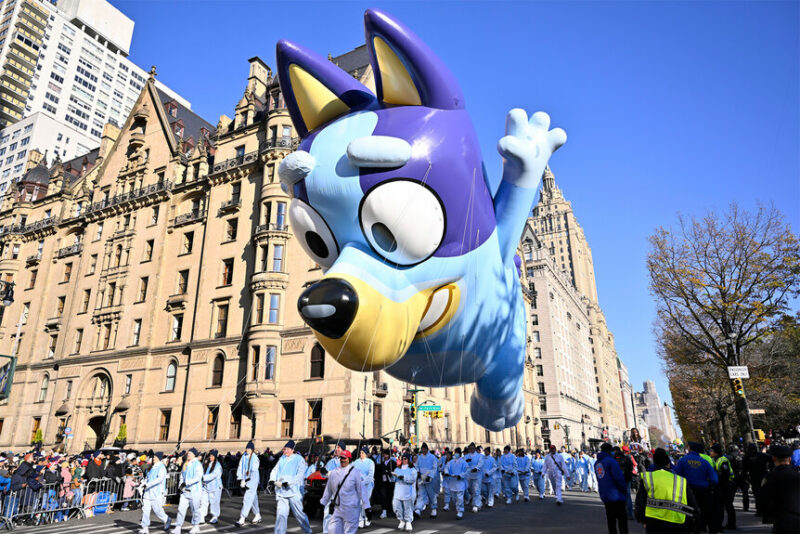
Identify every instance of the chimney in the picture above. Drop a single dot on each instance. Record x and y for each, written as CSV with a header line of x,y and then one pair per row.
x,y
34,157
260,76
110,134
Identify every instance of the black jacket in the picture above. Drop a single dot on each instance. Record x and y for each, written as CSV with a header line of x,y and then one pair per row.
x,y
94,471
780,498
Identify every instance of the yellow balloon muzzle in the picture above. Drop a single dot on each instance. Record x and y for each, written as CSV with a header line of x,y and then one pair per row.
x,y
360,327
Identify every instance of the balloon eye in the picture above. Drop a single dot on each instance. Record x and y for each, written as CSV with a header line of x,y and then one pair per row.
x,y
383,237
316,244
313,233
403,220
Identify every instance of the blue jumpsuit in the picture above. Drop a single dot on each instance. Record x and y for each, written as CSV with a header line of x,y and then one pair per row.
x,y
248,472
537,466
488,468
330,467
153,495
405,493
508,469
191,478
212,490
524,474
475,476
456,478
582,469
289,470
366,469
428,466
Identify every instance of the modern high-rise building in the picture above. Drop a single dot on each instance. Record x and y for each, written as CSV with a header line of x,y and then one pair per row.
x,y
554,223
65,70
656,414
626,393
156,286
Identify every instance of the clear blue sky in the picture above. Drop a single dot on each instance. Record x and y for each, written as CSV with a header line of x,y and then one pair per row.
x,y
669,106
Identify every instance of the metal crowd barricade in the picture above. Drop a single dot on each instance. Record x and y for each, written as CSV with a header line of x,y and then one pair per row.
x,y
49,503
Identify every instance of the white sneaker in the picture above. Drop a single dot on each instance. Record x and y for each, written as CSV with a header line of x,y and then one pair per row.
x,y
360,523
517,498
383,514
474,509
433,514
459,515
508,501
401,526
408,526
240,522
143,531
195,529
176,530
257,519
446,507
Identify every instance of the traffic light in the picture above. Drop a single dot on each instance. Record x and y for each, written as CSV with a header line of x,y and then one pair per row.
x,y
412,410
738,387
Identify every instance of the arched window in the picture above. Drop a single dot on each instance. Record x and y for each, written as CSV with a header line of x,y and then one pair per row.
x,y
217,370
118,256
44,388
101,387
172,371
317,361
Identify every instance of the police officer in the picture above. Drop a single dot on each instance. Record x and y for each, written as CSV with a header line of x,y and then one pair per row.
x,y
665,500
287,475
702,477
723,494
739,476
153,489
756,464
428,467
248,476
191,489
780,495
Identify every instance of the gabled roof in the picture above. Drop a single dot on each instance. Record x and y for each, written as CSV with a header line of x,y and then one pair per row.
x,y
192,122
356,59
74,168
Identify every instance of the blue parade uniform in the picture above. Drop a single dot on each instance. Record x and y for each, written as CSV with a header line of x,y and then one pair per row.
x,y
537,467
366,469
405,493
155,486
247,474
474,476
212,491
524,474
456,478
191,481
508,470
488,468
428,466
288,478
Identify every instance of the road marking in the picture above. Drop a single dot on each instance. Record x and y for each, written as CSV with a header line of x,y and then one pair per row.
x,y
381,531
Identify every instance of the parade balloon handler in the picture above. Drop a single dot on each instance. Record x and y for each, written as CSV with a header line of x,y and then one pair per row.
x,y
488,467
212,487
247,473
456,476
390,198
190,490
366,468
287,477
345,496
152,489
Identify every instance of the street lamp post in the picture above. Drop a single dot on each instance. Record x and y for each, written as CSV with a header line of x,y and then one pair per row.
x,y
583,432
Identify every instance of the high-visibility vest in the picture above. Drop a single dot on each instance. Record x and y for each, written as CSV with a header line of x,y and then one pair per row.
x,y
708,459
724,460
666,496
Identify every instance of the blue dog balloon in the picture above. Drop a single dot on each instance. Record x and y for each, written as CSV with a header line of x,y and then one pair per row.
x,y
390,197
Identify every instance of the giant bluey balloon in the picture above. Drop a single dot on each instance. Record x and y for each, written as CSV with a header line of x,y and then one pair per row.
x,y
390,197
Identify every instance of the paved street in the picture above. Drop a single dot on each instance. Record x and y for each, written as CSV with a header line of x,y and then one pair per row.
x,y
581,513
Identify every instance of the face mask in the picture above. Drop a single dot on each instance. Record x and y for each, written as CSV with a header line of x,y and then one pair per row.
x,y
457,455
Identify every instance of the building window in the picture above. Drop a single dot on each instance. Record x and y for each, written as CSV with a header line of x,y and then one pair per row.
x,y
128,383
172,372
106,336
255,362
277,258
154,215
99,234
230,229
148,250
143,288
217,371
34,274
280,219
377,419
314,417
68,390
117,255
236,423
287,419
137,330
541,388
211,422
44,387
37,424
536,337
260,308
26,309
188,243
163,427
183,281
78,341
543,405
87,293
264,255
15,252
222,321
539,370
227,272
51,349
269,364
177,327
274,307
92,264
112,290
60,306
317,361
537,352
534,319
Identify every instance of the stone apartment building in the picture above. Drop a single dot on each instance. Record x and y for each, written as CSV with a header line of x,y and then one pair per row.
x,y
156,288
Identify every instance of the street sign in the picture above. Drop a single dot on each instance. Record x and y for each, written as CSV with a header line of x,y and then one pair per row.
x,y
68,430
738,371
757,411
429,408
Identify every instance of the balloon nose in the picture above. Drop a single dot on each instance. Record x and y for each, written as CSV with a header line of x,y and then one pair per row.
x,y
329,306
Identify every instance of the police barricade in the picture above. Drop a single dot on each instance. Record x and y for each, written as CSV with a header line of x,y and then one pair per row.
x,y
40,504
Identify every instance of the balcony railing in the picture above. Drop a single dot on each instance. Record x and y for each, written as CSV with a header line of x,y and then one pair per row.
x,y
71,250
39,225
380,390
235,162
281,142
164,185
230,205
271,227
188,218
34,258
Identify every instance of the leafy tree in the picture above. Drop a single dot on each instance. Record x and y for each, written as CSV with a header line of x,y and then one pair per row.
x,y
722,283
37,437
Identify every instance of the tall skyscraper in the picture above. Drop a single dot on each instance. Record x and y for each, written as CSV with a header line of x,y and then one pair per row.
x,y
65,74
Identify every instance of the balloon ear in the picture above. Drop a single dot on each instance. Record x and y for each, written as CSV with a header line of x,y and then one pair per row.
x,y
407,72
315,90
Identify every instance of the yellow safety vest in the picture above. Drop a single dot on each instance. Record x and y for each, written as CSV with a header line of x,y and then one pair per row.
x,y
721,460
666,496
708,459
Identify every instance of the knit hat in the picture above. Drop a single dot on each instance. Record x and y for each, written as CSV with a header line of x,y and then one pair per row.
x,y
717,448
250,446
660,458
194,452
289,444
213,452
159,455
95,454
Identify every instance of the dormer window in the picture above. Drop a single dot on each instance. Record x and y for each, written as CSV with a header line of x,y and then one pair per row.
x,y
177,127
172,109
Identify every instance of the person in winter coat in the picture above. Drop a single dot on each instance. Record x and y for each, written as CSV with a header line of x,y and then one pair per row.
x,y
612,487
97,467
650,509
212,487
383,476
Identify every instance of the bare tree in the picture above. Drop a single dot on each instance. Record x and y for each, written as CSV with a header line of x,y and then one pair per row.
x,y
721,282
